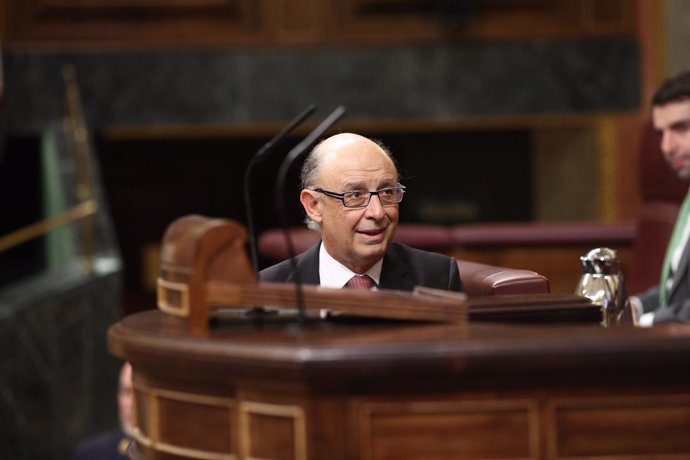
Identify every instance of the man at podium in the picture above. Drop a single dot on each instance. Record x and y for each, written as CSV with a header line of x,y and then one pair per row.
x,y
351,193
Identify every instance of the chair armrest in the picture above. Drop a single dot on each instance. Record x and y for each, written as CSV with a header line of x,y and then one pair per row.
x,y
481,279
523,234
271,243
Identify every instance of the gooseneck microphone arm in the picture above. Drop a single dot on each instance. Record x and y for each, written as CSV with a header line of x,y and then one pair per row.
x,y
295,153
260,155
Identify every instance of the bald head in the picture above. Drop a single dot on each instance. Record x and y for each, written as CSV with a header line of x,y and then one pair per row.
x,y
357,237
340,146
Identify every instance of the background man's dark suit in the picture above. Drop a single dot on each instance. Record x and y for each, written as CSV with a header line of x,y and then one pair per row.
x,y
678,302
403,269
104,446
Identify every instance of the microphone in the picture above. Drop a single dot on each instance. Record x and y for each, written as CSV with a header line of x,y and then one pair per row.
x,y
295,153
260,155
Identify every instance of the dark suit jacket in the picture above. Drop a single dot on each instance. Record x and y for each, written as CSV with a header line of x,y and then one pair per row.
x,y
103,446
678,302
403,268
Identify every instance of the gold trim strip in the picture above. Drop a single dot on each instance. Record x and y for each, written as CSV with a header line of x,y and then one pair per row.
x,y
295,412
216,401
139,392
181,451
140,438
380,125
154,418
163,287
192,453
607,168
24,234
154,443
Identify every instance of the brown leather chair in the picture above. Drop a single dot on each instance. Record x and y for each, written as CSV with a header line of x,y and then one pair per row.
x,y
479,279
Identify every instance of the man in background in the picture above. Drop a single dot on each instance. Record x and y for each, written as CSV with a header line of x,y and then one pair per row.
x,y
670,300
112,445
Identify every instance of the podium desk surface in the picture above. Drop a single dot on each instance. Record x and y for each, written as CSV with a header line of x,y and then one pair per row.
x,y
346,389
347,349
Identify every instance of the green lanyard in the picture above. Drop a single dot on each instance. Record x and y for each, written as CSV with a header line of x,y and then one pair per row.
x,y
681,222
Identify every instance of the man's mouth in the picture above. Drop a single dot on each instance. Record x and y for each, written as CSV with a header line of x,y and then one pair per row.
x,y
680,162
372,232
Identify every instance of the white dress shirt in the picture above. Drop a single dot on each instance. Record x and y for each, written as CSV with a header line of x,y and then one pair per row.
x,y
334,274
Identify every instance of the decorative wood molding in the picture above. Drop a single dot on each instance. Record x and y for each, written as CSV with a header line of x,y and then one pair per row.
x,y
653,47
158,23
598,427
296,428
386,426
160,433
134,22
429,20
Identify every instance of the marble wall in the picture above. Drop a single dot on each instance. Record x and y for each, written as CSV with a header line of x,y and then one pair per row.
x,y
392,83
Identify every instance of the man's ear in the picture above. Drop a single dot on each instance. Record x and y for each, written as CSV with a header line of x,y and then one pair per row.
x,y
311,205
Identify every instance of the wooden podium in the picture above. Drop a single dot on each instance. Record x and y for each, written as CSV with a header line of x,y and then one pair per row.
x,y
350,383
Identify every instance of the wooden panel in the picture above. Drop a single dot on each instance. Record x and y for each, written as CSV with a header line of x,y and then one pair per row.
x,y
164,430
296,21
627,428
174,430
608,16
421,391
134,22
390,21
254,22
449,430
272,431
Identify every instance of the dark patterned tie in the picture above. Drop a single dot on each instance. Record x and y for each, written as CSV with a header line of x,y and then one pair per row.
x,y
360,282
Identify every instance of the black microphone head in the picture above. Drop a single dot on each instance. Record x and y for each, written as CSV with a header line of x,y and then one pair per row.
x,y
295,153
259,155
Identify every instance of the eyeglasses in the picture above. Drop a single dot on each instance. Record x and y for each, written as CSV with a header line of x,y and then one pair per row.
x,y
360,198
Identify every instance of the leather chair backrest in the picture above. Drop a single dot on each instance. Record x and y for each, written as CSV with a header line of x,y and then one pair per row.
x,y
479,279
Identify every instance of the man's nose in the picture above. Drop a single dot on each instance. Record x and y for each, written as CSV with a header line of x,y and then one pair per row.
x,y
668,143
375,208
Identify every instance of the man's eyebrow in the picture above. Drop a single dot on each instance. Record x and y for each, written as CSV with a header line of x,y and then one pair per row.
x,y
676,125
363,186
354,186
680,124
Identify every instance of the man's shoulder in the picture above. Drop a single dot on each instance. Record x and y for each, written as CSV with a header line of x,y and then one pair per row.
x,y
422,268
277,272
282,270
408,252
100,446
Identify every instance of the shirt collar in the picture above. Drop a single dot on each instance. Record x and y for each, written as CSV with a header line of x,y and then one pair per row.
x,y
334,274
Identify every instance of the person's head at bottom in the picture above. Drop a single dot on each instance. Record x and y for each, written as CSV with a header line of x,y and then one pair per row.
x,y
112,444
125,398
350,192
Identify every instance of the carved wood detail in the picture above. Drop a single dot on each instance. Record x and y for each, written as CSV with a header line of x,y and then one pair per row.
x,y
105,23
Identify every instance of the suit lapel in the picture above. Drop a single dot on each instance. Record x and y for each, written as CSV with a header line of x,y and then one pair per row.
x,y
308,266
394,272
681,273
